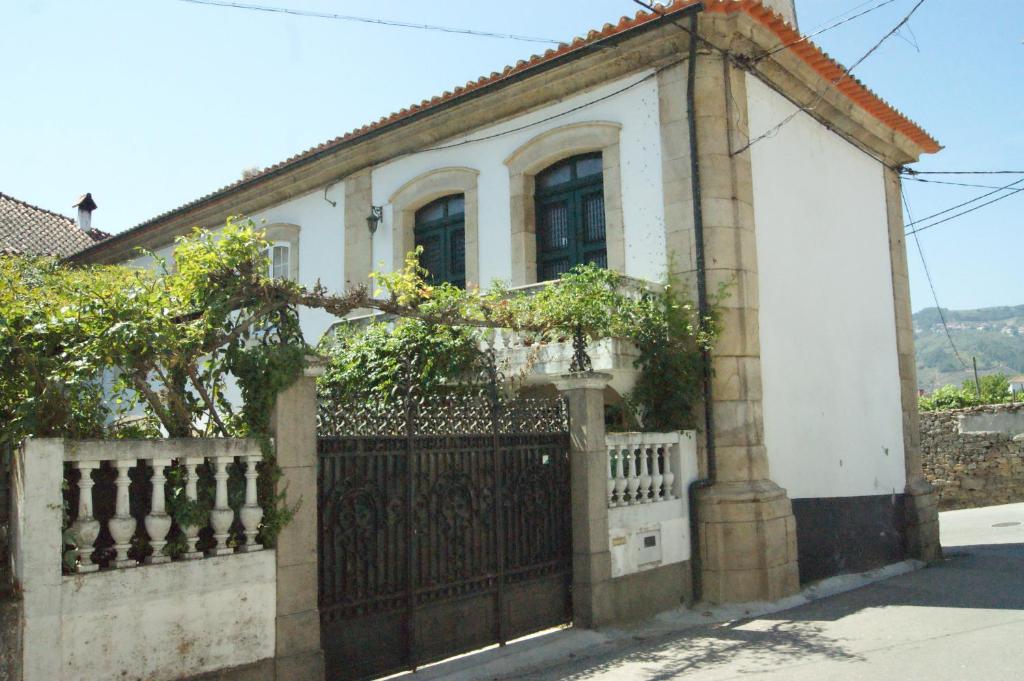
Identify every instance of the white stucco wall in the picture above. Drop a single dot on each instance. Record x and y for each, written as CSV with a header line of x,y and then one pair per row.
x,y
832,415
172,621
635,109
321,246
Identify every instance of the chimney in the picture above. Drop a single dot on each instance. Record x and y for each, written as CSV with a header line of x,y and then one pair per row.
x,y
85,206
787,8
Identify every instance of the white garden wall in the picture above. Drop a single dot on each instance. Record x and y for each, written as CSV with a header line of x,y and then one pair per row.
x,y
832,415
157,622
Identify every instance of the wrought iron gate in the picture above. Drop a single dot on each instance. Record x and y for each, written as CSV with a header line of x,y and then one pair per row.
x,y
444,527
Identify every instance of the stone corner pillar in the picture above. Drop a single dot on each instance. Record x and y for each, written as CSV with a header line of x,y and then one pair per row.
x,y
745,522
747,542
358,240
921,504
591,556
298,655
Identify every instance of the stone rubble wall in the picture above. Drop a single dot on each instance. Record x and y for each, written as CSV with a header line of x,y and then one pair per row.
x,y
972,469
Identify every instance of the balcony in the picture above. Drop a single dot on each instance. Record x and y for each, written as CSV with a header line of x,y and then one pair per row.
x,y
535,364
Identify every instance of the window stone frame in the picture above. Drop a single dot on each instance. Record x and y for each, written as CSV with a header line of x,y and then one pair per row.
x,y
427,187
538,154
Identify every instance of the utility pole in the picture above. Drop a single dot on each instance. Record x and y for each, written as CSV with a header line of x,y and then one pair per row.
x,y
977,382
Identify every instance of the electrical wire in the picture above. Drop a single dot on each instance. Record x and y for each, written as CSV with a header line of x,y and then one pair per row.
x,y
826,29
931,284
370,20
954,184
966,203
771,132
969,210
911,171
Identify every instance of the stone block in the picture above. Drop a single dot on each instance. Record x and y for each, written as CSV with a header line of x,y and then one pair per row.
x,y
298,633
296,588
302,667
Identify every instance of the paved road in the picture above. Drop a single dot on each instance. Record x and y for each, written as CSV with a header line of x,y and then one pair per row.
x,y
961,619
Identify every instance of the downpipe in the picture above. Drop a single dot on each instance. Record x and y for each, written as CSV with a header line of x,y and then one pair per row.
x,y
703,309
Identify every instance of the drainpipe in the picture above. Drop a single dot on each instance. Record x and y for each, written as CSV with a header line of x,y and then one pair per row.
x,y
702,309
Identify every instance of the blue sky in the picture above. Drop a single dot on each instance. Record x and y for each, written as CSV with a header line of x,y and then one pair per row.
x,y
151,103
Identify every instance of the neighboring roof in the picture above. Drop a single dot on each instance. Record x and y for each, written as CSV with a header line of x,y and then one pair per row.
x,y
29,230
803,48
1017,379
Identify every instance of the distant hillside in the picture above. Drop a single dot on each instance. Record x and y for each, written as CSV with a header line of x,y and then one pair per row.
x,y
995,335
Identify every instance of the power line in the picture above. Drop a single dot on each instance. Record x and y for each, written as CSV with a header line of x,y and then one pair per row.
x,y
911,171
931,284
771,132
370,20
955,184
969,210
966,203
827,28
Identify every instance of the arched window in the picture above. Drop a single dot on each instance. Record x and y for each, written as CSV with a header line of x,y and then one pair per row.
x,y
441,230
570,216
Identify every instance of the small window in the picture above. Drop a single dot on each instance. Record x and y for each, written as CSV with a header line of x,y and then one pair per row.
x,y
279,255
570,216
441,232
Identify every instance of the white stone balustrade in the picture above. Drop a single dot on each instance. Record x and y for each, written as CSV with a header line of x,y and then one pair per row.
x,y
161,456
642,468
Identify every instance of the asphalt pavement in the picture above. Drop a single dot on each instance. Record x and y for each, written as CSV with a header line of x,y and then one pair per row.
x,y
959,619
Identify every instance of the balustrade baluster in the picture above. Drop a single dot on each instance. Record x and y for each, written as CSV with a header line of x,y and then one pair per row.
x,y
667,474
221,516
645,476
192,494
657,478
251,514
620,476
158,523
632,481
122,525
613,466
86,527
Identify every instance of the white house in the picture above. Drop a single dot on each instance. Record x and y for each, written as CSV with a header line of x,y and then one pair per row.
x,y
584,154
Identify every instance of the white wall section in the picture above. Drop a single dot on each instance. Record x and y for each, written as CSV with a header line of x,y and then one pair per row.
x,y
635,109
832,414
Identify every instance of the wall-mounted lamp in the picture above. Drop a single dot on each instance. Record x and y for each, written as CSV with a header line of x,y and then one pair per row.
x,y
374,218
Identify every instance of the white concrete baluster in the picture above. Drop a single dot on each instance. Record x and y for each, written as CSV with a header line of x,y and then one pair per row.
x,y
192,494
221,516
613,465
620,476
645,475
158,523
632,481
667,474
122,525
251,514
657,478
86,526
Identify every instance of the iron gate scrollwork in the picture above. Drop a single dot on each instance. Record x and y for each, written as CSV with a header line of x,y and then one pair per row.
x,y
444,525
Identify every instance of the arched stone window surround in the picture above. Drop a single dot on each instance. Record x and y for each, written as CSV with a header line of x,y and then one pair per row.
x,y
283,232
543,151
425,188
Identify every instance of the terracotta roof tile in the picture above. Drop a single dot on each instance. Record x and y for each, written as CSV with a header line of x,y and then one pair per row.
x,y
807,51
30,230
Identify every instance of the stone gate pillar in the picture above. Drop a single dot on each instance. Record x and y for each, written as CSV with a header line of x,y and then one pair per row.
x,y
298,656
746,525
591,557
